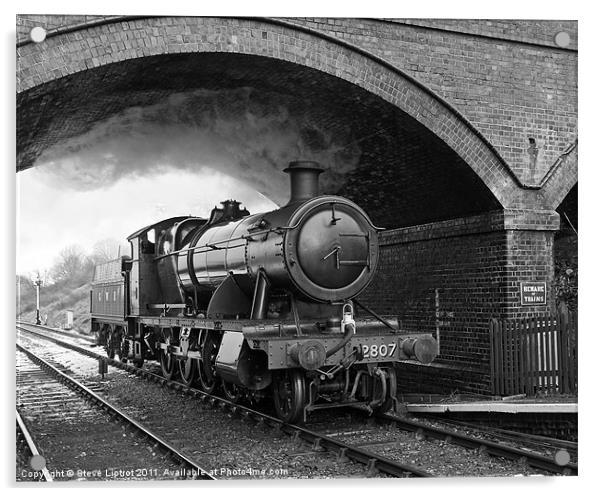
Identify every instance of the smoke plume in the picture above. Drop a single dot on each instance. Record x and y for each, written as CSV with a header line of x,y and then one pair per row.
x,y
244,133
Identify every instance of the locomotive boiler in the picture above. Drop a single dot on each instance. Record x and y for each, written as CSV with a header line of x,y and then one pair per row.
x,y
260,306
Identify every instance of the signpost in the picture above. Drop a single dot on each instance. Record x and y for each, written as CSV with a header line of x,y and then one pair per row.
x,y
37,283
533,293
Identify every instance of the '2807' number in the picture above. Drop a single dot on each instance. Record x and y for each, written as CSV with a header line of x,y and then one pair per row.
x,y
376,350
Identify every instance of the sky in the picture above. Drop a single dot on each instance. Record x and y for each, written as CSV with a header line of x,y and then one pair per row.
x,y
52,215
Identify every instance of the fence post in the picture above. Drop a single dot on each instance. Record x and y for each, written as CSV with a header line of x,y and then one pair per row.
x,y
575,368
531,360
536,354
571,342
511,357
522,357
502,356
492,356
564,350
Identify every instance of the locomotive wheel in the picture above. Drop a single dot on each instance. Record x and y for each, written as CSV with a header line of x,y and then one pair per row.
x,y
109,348
290,395
206,367
168,365
124,349
188,371
207,382
231,392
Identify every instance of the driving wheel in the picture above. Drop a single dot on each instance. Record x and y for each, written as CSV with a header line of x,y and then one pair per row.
x,y
290,395
188,370
168,364
206,366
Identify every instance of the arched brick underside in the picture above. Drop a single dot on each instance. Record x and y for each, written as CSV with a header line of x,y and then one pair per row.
x,y
70,53
383,159
566,252
568,211
562,179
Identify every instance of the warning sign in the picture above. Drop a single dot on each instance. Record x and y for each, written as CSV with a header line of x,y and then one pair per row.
x,y
533,293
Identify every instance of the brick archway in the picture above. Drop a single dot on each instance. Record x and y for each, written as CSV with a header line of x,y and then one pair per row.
x,y
463,229
99,44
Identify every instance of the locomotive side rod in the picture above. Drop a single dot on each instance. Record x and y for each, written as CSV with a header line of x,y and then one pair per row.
x,y
372,460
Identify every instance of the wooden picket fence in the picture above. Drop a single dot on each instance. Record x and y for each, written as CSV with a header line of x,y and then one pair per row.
x,y
535,355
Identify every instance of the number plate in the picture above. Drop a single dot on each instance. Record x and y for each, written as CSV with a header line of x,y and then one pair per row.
x,y
377,348
379,351
374,348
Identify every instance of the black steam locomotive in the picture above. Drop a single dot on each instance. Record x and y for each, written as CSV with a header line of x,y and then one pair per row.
x,y
259,305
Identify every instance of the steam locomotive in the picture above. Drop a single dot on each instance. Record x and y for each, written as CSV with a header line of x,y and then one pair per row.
x,y
259,306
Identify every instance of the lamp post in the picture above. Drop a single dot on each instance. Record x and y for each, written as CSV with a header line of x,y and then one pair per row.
x,y
38,283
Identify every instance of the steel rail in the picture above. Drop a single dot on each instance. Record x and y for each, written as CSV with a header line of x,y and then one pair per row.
x,y
534,460
58,331
373,461
199,472
31,445
515,436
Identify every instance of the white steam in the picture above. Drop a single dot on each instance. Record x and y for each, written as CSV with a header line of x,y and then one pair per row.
x,y
248,135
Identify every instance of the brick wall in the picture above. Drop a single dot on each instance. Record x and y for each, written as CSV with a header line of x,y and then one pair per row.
x,y
533,31
25,22
452,277
510,91
394,177
525,31
456,266
529,258
442,379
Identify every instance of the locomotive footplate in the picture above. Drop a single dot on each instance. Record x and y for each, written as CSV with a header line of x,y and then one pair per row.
x,y
282,353
282,343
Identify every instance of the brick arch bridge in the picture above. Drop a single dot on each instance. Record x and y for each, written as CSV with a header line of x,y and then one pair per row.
x,y
463,137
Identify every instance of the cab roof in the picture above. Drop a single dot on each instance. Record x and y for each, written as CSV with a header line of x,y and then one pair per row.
x,y
160,225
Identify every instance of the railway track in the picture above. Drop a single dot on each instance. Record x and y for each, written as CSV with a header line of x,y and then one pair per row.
x,y
61,332
445,452
62,406
550,447
29,457
493,448
374,464
362,452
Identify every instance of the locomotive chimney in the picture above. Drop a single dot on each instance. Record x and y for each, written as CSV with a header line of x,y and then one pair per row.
x,y
304,180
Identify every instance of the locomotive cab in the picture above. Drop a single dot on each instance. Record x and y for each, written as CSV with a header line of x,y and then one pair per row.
x,y
151,285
